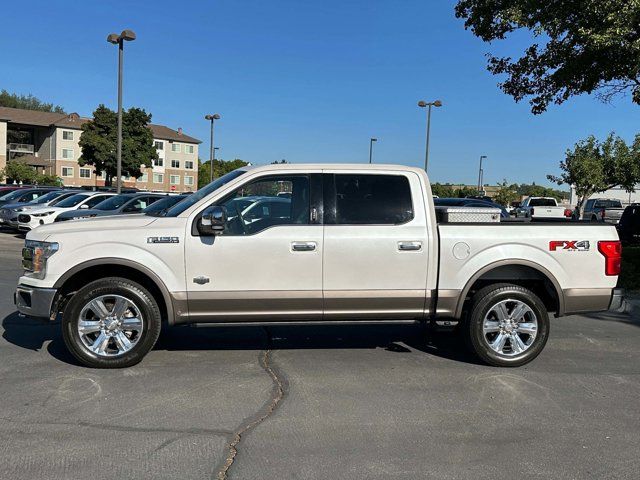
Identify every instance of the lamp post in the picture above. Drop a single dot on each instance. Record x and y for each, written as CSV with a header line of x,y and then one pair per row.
x,y
423,104
212,119
371,140
480,174
114,38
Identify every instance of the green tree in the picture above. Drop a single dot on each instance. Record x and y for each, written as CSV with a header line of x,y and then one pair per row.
x,y
442,191
507,193
533,190
577,47
17,171
28,102
99,141
220,167
593,166
466,192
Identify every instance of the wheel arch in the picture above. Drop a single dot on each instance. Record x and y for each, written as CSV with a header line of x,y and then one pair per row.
x,y
91,270
515,271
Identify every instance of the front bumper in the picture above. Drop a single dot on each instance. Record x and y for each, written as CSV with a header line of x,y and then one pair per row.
x,y
33,301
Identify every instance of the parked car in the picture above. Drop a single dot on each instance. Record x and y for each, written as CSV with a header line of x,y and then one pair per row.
x,y
157,208
470,202
603,210
41,216
543,208
360,244
24,195
629,225
9,212
124,203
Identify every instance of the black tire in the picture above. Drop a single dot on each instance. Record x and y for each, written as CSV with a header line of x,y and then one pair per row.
x,y
133,292
482,302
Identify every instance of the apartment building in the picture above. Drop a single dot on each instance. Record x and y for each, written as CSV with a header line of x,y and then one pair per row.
x,y
49,142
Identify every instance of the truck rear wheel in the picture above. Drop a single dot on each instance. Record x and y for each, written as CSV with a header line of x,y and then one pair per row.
x,y
111,323
507,325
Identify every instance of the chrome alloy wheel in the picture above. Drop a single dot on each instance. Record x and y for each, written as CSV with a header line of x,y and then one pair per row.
x,y
110,325
510,327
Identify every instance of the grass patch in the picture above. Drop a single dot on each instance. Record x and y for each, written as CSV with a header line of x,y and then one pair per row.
x,y
629,278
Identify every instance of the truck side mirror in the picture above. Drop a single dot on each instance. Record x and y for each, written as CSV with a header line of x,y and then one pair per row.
x,y
212,221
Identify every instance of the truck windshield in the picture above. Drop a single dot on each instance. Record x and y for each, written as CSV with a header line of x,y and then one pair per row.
x,y
542,202
194,198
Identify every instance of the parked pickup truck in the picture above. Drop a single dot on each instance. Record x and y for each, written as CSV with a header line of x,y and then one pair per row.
x,y
603,210
355,243
542,208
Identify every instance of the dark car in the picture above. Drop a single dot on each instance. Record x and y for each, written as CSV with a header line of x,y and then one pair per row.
x,y
629,225
124,203
469,202
24,195
161,206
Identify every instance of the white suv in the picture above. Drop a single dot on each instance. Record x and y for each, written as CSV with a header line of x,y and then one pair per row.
x,y
45,215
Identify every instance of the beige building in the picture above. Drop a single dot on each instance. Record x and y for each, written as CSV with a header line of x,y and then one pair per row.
x,y
49,143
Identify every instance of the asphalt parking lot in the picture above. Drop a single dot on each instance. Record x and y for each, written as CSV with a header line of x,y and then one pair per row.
x,y
318,403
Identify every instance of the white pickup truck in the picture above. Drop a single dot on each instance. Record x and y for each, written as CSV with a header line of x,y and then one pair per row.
x,y
543,208
324,243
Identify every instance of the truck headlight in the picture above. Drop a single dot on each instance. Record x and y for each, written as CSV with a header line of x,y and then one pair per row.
x,y
35,255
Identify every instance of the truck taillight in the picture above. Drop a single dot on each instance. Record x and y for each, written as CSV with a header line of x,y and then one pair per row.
x,y
612,251
567,212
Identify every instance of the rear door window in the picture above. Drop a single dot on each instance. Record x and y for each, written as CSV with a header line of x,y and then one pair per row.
x,y
372,199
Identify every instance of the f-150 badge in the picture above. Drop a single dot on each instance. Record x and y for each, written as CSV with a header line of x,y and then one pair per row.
x,y
163,240
571,245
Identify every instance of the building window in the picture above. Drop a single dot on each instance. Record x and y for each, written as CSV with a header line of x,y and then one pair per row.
x,y
188,164
67,171
67,153
188,149
175,163
188,181
143,178
159,162
85,173
158,178
174,179
175,147
158,145
67,135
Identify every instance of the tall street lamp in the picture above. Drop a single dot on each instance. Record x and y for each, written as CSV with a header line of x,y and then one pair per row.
x,y
480,174
423,104
371,140
126,35
212,119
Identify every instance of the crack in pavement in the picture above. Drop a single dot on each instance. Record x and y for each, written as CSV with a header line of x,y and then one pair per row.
x,y
278,392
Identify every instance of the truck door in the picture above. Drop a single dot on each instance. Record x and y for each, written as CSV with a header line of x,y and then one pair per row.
x,y
267,264
375,246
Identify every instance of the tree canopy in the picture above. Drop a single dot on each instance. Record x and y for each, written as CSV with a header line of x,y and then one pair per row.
x,y
220,167
17,171
594,166
99,142
507,193
578,46
28,102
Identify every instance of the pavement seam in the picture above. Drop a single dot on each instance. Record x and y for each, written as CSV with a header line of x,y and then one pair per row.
x,y
278,393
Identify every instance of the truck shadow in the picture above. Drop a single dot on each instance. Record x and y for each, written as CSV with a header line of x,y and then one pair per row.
x,y
37,335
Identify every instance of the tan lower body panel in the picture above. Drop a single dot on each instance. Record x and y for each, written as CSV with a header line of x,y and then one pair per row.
x,y
278,306
577,300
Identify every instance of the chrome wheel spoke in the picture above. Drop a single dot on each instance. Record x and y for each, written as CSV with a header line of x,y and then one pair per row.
x,y
99,346
498,342
89,326
120,307
529,328
517,345
122,341
98,307
519,311
491,326
501,311
132,324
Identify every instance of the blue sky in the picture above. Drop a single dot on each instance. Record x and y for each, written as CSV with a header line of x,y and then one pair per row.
x,y
308,81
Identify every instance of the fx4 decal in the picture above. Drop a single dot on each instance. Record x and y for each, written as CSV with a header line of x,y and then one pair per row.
x,y
571,245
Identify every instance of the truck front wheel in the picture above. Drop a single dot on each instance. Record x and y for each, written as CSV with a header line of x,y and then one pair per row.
x,y
507,325
111,323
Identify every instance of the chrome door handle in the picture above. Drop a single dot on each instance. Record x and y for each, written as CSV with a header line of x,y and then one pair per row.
x,y
409,246
303,246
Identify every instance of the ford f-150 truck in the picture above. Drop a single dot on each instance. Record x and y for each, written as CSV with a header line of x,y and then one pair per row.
x,y
543,208
287,244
